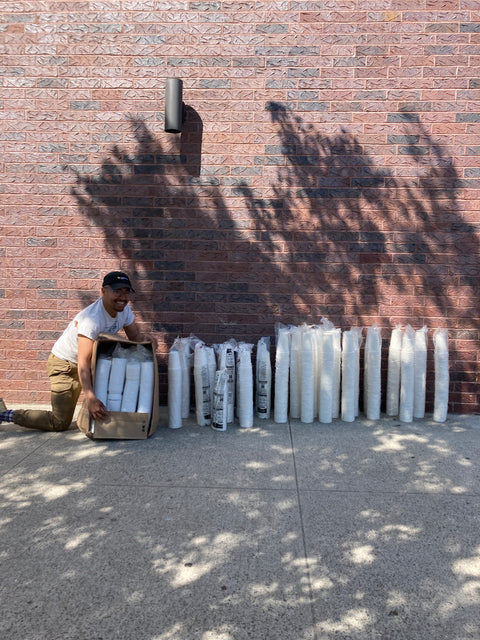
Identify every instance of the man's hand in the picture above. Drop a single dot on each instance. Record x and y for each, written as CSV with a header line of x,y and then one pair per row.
x,y
96,408
135,335
149,337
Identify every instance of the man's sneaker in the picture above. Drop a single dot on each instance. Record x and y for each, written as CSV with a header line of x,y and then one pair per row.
x,y
3,406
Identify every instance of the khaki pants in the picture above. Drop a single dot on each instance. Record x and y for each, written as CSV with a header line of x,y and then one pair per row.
x,y
65,390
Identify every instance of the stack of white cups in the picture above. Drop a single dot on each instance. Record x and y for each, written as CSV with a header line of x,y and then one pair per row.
x,y
131,387
116,383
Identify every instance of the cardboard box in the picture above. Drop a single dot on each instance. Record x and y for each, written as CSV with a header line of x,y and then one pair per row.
x,y
120,425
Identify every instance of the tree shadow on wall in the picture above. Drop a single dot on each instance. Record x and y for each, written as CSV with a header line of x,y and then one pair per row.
x,y
335,234
368,234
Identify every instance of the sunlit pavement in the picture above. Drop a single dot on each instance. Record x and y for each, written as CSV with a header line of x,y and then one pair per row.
x,y
285,531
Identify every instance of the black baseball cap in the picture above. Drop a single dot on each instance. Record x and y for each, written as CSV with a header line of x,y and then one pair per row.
x,y
117,280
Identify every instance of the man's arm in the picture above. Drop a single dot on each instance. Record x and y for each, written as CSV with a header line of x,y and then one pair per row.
x,y
135,335
96,408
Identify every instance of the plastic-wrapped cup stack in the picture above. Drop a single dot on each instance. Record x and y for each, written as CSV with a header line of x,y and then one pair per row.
x,y
442,377
317,342
348,376
407,375
174,389
337,372
325,404
212,370
372,387
102,375
295,371
132,384
183,346
420,373
282,365
147,381
245,387
393,375
263,379
307,397
202,386
116,383
227,362
220,401
357,331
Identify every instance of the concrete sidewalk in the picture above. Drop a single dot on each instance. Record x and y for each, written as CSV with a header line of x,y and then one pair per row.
x,y
282,532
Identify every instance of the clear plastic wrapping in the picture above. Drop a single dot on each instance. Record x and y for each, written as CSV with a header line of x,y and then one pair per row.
x,y
282,366
220,401
349,376
407,375
263,379
175,390
245,386
393,373
307,403
372,373
295,371
327,377
442,376
420,373
201,377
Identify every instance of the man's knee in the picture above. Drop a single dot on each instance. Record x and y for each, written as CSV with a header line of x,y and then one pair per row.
x,y
61,427
63,408
61,424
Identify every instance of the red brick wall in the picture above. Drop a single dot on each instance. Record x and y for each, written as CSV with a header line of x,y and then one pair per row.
x,y
328,167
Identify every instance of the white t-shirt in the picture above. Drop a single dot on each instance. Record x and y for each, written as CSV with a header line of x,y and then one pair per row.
x,y
91,321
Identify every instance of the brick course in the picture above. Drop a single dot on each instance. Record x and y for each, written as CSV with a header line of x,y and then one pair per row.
x,y
328,167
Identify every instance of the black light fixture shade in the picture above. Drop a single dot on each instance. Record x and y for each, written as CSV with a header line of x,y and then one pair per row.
x,y
174,109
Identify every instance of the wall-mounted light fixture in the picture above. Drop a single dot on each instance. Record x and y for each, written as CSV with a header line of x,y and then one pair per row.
x,y
174,107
